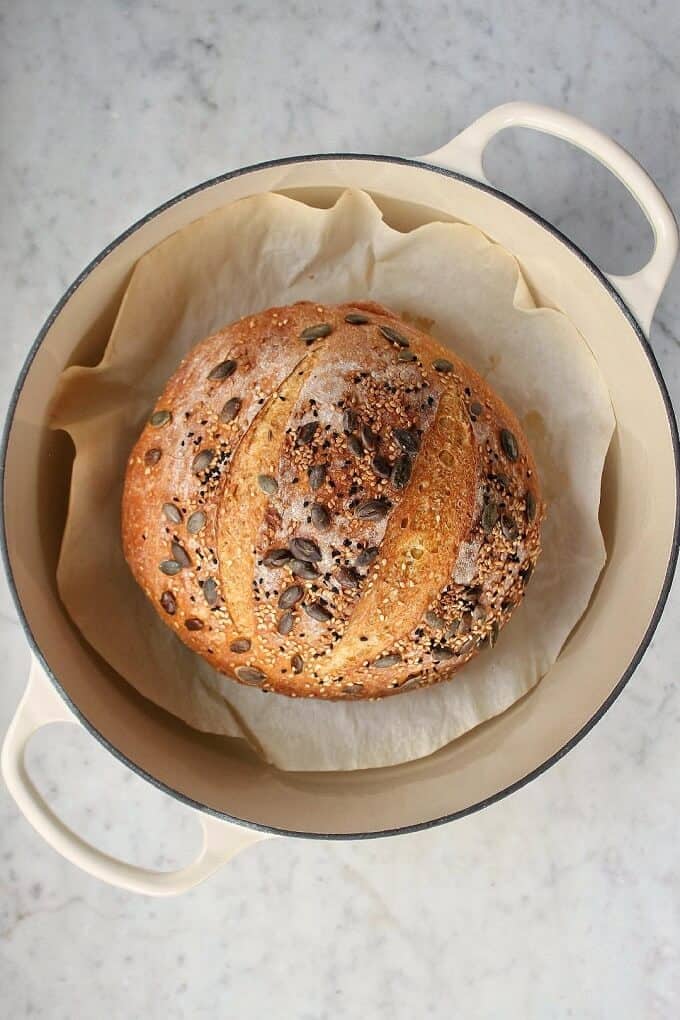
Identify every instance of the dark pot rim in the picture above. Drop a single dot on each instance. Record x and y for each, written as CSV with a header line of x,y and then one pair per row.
x,y
670,567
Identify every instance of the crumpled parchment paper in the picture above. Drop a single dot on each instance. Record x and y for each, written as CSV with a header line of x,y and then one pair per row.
x,y
447,278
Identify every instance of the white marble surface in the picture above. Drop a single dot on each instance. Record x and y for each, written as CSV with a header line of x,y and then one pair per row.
x,y
562,901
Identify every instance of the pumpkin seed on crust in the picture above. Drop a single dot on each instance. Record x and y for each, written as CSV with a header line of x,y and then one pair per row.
x,y
223,370
250,675
160,418
317,332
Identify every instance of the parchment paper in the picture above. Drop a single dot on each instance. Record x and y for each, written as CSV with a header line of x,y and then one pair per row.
x,y
447,278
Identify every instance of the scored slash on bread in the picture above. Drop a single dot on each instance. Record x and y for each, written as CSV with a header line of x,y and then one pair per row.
x,y
326,503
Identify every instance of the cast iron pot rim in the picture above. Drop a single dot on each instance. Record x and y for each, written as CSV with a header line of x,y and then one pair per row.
x,y
658,609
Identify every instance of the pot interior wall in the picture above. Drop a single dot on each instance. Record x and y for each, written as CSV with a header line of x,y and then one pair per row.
x,y
638,510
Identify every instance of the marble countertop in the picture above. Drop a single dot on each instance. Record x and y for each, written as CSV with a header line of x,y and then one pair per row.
x,y
561,901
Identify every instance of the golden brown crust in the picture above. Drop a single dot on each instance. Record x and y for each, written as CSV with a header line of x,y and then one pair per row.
x,y
339,515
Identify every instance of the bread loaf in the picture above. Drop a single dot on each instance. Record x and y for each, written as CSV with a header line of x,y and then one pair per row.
x,y
326,503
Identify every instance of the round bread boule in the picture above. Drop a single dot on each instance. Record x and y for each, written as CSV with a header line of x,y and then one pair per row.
x,y
326,503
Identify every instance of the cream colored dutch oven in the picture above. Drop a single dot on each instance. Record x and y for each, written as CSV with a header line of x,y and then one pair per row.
x,y
239,799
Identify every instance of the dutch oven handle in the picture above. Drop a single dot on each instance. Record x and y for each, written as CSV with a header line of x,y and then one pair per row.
x,y
42,705
640,291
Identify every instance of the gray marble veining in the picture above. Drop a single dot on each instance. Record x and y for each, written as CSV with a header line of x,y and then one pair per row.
x,y
562,901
